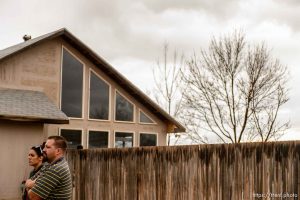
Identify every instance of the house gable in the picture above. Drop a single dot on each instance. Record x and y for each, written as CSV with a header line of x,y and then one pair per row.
x,y
38,67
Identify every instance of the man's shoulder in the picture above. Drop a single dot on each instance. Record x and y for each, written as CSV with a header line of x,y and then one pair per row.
x,y
59,164
60,167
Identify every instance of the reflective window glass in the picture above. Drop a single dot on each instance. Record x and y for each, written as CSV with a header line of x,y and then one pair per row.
x,y
123,139
98,139
145,119
73,137
124,109
72,85
148,139
99,98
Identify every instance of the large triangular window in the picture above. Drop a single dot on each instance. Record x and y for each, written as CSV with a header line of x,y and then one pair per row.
x,y
99,98
124,109
145,119
72,85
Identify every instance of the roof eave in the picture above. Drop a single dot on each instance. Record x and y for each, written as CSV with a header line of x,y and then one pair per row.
x,y
34,119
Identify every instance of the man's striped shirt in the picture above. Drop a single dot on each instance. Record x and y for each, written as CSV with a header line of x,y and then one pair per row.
x,y
55,182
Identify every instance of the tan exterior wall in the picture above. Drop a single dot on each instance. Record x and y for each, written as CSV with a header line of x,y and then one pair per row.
x,y
39,68
16,140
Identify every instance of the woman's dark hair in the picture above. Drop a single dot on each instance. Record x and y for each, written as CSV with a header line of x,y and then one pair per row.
x,y
38,149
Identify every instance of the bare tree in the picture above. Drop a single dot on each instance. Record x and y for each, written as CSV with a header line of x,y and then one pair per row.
x,y
166,76
234,91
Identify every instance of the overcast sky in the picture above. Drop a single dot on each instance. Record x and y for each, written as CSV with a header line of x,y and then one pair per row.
x,y
130,34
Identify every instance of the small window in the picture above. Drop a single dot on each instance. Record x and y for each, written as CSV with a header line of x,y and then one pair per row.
x,y
73,137
148,139
145,119
123,139
124,109
98,139
99,98
72,85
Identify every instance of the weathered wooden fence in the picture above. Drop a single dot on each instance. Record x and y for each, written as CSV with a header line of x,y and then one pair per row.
x,y
223,171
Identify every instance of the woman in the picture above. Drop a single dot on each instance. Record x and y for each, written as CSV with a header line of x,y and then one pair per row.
x,y
35,159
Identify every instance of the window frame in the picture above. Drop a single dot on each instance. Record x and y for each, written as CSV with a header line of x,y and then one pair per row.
x,y
124,131
115,110
94,129
149,133
89,95
83,80
153,123
75,129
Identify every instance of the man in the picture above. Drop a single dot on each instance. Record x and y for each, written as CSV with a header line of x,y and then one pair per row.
x,y
55,182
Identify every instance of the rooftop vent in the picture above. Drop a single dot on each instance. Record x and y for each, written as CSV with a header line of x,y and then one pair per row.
x,y
26,37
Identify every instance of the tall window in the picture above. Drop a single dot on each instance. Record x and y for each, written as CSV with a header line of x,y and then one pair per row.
x,y
147,139
145,119
123,139
72,85
124,109
73,137
99,98
98,139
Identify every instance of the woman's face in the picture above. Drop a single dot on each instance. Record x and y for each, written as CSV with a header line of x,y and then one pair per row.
x,y
33,159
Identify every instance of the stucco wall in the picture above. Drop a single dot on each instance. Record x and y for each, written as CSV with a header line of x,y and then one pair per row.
x,y
16,140
39,68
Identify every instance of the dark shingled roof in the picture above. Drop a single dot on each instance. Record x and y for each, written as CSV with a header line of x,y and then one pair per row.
x,y
103,65
26,105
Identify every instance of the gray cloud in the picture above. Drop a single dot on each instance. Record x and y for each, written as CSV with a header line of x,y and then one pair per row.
x,y
288,2
213,7
281,12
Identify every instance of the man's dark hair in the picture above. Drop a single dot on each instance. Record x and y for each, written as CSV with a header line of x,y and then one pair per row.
x,y
59,141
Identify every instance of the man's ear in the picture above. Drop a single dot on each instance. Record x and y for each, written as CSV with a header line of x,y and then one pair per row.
x,y
59,150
